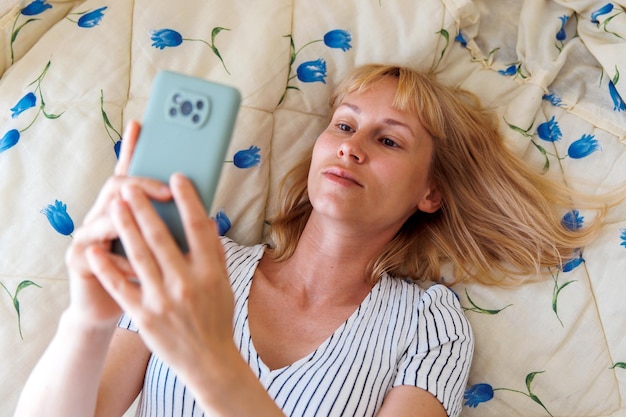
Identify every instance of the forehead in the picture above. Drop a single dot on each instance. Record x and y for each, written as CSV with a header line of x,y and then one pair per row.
x,y
380,97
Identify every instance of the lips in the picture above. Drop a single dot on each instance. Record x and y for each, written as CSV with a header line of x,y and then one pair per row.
x,y
340,175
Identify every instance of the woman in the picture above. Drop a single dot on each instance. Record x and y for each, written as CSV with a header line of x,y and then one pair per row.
x,y
330,319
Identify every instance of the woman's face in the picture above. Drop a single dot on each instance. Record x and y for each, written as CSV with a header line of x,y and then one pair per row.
x,y
370,165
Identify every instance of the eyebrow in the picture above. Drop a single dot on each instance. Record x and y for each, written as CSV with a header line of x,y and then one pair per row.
x,y
388,121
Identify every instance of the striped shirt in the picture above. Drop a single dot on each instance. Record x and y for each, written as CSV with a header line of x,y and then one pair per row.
x,y
401,334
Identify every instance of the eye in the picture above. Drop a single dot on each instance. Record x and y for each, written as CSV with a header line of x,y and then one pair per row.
x,y
344,127
389,142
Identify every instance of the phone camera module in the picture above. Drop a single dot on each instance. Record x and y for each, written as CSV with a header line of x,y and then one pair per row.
x,y
186,108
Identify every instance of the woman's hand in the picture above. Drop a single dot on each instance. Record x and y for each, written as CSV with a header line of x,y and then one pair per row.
x,y
89,300
183,304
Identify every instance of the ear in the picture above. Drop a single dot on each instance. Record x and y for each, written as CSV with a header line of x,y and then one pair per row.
x,y
431,202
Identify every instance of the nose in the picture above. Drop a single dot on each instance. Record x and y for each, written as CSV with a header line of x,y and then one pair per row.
x,y
352,148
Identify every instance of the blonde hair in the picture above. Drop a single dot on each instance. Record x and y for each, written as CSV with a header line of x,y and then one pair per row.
x,y
498,218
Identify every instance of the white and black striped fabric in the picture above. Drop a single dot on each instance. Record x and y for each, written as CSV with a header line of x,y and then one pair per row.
x,y
401,334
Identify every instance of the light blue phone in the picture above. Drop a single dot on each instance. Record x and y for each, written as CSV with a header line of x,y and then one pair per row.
x,y
187,128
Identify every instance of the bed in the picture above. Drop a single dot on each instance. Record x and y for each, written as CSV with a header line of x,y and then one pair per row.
x,y
72,73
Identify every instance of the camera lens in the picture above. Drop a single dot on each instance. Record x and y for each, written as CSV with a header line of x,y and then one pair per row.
x,y
186,108
195,118
199,104
173,111
176,98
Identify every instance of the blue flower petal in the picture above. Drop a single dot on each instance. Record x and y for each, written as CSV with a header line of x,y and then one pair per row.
x,y
58,218
461,39
552,98
607,8
91,19
223,222
583,147
339,39
9,139
247,158
36,7
511,70
163,38
573,262
549,131
117,148
572,220
312,71
618,102
622,236
561,35
477,394
25,103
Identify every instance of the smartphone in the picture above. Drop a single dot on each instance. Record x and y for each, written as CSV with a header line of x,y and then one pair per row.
x,y
187,127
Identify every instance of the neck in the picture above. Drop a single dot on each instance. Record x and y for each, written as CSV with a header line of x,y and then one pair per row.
x,y
330,261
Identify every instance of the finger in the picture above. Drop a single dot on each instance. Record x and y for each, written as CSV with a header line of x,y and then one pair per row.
x,y
151,248
200,230
131,135
156,190
137,251
114,280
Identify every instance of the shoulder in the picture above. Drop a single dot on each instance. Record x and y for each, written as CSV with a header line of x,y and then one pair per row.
x,y
425,296
235,253
241,260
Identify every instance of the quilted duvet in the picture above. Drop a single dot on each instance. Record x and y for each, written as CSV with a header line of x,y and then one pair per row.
x,y
72,73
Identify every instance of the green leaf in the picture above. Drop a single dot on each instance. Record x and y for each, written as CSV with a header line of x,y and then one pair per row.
x,y
446,36
529,379
519,129
616,77
621,365
25,284
215,32
546,165
556,293
19,28
481,310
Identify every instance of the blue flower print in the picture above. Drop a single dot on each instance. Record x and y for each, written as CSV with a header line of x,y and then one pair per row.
x,y
25,103
312,71
509,71
606,9
622,236
553,99
9,139
32,9
117,147
58,218
572,220
461,39
223,222
561,35
478,393
549,131
618,102
36,7
92,18
481,393
339,39
247,158
163,38
573,262
112,132
583,147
